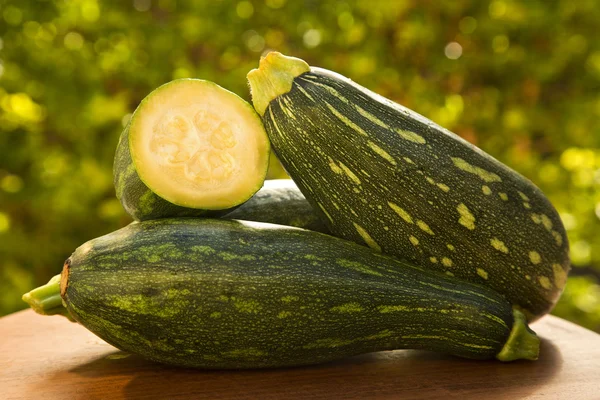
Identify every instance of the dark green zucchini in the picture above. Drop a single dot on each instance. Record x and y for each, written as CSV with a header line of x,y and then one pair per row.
x,y
382,175
235,294
191,149
280,202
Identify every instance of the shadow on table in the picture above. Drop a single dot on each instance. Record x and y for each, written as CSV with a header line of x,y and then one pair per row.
x,y
406,374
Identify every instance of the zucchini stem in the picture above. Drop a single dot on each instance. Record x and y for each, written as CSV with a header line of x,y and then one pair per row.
x,y
46,299
522,343
273,77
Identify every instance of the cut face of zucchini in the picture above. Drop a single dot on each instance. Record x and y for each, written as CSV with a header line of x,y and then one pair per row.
x,y
198,145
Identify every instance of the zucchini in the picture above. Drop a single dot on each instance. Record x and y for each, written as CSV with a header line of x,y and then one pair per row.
x,y
280,202
382,175
235,294
191,148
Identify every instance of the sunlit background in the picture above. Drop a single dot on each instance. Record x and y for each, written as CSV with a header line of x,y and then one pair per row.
x,y
519,79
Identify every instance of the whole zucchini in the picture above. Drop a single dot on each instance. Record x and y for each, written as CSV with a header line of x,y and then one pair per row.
x,y
191,148
280,202
382,175
235,294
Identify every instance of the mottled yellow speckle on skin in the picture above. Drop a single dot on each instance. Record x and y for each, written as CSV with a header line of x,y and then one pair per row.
x,y
528,277
499,245
411,136
334,167
424,227
433,260
526,205
503,196
482,273
486,176
536,218
371,117
284,314
325,212
560,276
557,238
535,257
355,265
346,120
401,212
444,188
450,247
546,222
347,308
414,240
389,309
486,190
446,262
408,160
350,174
384,154
153,258
466,219
244,353
247,305
366,237
449,273
430,180
523,196
330,343
289,299
545,282
382,334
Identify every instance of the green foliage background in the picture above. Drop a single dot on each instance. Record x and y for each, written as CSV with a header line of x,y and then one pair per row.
x,y
519,79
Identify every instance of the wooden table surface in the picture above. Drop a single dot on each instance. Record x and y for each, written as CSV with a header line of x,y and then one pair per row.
x,y
51,358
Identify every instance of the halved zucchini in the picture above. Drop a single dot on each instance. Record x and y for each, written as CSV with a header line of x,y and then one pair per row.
x,y
191,148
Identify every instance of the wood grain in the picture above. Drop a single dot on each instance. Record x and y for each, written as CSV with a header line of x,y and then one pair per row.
x,y
50,358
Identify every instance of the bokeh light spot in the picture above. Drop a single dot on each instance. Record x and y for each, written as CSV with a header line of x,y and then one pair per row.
x,y
467,25
244,9
497,9
4,222
500,43
11,183
453,50
275,4
142,5
12,15
90,11
73,41
254,41
312,38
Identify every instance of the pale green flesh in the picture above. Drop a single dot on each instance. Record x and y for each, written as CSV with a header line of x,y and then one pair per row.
x,y
199,146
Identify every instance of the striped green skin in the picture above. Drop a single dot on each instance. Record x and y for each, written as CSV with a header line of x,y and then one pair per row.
x,y
382,175
280,202
234,294
139,201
